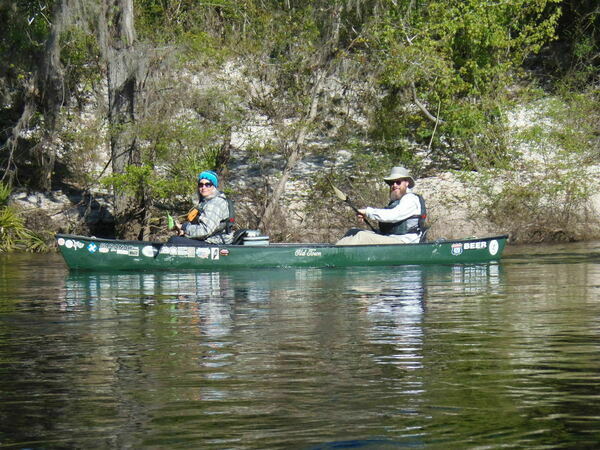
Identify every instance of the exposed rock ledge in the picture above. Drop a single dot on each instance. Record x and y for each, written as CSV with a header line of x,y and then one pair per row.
x,y
454,210
66,211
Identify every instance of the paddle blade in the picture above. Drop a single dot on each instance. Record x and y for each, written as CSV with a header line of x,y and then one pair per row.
x,y
192,215
343,197
170,222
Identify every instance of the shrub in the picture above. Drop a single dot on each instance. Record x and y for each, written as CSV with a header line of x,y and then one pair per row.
x,y
13,233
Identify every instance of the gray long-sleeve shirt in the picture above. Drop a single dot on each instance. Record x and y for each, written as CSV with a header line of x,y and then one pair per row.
x,y
213,214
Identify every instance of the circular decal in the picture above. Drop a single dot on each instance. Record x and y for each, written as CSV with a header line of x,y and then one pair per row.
x,y
493,247
149,251
61,241
69,243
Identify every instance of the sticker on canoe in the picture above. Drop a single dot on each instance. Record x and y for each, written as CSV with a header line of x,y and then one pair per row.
x,y
475,245
307,252
188,252
494,247
149,251
203,252
457,249
119,249
69,243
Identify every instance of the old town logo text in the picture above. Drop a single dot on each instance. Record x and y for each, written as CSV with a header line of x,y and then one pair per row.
x,y
307,252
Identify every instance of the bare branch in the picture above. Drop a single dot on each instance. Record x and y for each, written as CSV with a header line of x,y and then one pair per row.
x,y
422,107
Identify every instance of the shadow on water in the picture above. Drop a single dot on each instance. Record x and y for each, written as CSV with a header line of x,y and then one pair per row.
x,y
564,253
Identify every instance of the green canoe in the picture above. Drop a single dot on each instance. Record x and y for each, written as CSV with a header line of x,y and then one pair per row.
x,y
90,253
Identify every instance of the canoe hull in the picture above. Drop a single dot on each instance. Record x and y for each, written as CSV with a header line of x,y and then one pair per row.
x,y
89,253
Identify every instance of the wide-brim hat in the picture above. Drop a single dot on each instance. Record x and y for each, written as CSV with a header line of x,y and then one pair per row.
x,y
400,173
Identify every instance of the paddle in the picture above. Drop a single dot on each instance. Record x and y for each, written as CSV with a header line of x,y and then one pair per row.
x,y
343,197
170,222
189,217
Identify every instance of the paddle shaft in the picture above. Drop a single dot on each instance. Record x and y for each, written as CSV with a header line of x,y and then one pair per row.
x,y
343,197
190,216
351,205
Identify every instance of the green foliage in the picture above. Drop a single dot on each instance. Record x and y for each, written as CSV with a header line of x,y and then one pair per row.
x,y
563,128
4,194
175,179
80,56
81,140
434,80
198,30
574,59
548,194
25,26
458,57
173,153
13,233
549,206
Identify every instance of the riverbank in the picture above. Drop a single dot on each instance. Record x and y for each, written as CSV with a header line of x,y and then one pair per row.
x,y
459,205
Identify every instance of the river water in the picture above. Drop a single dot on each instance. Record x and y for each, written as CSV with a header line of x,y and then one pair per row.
x,y
467,356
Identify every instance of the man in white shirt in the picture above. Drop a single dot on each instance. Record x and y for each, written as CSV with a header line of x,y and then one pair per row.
x,y
400,222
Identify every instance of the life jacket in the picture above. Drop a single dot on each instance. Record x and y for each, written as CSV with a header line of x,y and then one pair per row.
x,y
225,224
231,219
412,224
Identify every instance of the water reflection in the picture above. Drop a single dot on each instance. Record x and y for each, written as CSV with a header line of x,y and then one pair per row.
x,y
390,304
393,291
478,356
224,358
398,294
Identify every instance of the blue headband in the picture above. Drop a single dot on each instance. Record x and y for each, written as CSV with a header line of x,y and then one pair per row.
x,y
209,175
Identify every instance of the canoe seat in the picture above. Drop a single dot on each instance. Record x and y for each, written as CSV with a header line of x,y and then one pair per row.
x,y
238,237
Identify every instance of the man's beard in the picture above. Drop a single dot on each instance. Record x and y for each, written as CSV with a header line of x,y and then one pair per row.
x,y
395,195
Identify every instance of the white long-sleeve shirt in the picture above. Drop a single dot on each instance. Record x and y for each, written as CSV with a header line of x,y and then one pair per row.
x,y
408,206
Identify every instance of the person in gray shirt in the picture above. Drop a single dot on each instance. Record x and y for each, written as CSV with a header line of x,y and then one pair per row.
x,y
210,222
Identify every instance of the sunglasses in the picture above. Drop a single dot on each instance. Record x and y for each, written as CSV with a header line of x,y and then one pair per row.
x,y
201,185
393,182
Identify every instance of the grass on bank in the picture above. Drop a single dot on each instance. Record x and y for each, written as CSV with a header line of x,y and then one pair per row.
x,y
14,235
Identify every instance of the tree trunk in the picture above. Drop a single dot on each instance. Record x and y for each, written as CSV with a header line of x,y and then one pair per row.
x,y
295,154
117,38
51,85
45,94
322,68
